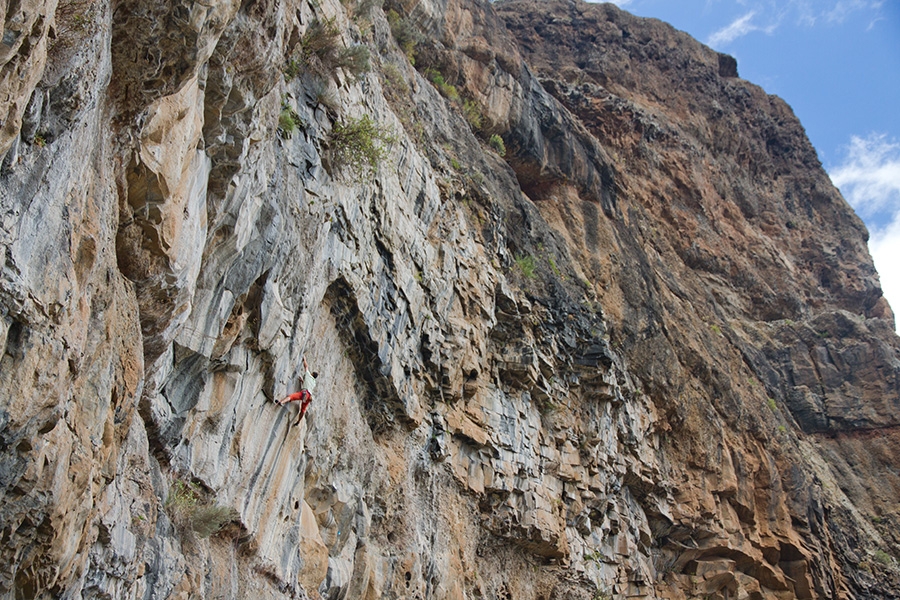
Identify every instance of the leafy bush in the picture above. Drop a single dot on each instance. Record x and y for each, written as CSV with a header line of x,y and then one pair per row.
x,y
292,68
322,94
288,121
354,59
320,52
472,113
406,35
190,512
883,557
362,9
359,145
527,265
395,79
210,519
320,39
554,268
447,90
496,142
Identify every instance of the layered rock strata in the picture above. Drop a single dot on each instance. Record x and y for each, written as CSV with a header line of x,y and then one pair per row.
x,y
592,322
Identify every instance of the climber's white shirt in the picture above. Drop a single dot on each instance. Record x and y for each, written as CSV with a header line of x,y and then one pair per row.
x,y
309,382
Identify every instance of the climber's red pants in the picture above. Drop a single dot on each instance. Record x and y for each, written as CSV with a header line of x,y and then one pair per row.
x,y
305,397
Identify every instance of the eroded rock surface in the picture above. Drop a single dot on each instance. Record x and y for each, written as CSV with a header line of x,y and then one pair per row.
x,y
636,350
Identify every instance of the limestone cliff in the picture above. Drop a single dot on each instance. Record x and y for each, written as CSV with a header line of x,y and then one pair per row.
x,y
590,319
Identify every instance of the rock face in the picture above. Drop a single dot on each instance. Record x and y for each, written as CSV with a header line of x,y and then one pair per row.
x,y
589,317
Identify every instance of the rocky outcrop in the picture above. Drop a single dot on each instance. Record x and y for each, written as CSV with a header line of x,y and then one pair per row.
x,y
589,318
756,194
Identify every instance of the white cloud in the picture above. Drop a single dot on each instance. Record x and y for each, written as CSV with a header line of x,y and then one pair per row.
x,y
870,176
805,13
843,8
811,12
737,28
884,244
869,179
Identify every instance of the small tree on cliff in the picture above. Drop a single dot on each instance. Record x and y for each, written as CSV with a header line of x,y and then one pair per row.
x,y
359,145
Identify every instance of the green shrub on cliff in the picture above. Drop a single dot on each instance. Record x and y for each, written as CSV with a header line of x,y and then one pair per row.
x,y
405,34
354,60
437,79
472,113
288,121
395,80
320,52
191,512
359,145
527,265
362,10
496,142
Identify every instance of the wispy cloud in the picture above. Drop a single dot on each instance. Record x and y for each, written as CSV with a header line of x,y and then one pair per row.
x,y
844,8
869,179
736,29
806,13
810,13
884,245
870,175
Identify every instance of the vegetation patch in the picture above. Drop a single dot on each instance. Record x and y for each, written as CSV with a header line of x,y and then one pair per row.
x,y
320,52
359,145
496,142
472,113
354,59
324,96
361,11
192,512
437,79
288,121
555,268
470,109
75,21
527,265
405,34
395,79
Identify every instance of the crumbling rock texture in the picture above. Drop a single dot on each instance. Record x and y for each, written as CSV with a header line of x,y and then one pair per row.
x,y
642,354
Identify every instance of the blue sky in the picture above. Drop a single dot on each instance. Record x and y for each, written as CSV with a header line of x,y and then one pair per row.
x,y
837,63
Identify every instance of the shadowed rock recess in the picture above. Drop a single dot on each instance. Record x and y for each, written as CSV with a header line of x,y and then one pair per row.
x,y
590,319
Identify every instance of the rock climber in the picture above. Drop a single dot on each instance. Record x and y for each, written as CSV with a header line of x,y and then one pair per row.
x,y
305,393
